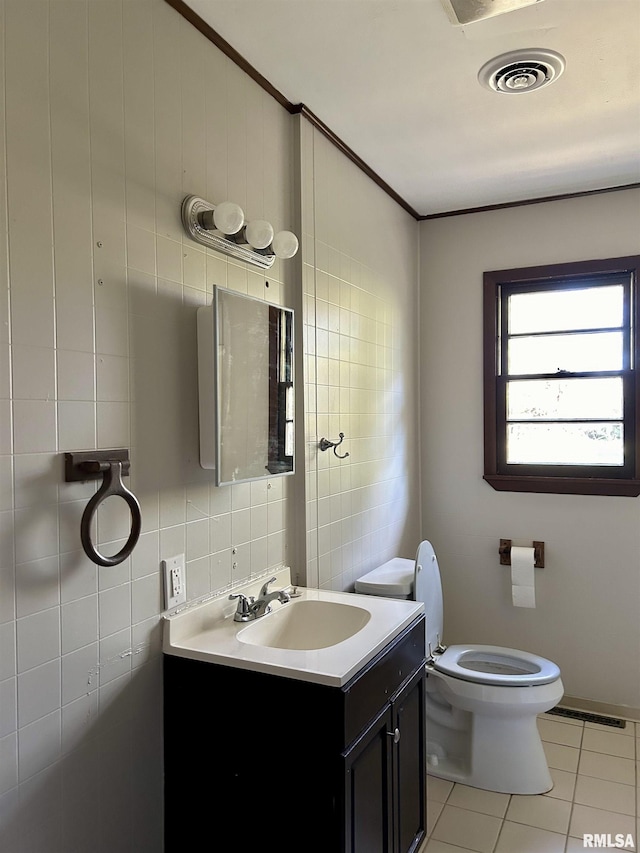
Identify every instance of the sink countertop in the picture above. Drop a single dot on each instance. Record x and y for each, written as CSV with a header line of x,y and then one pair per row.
x,y
207,632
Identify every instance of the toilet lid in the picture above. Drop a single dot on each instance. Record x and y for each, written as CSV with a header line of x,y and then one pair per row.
x,y
392,579
496,665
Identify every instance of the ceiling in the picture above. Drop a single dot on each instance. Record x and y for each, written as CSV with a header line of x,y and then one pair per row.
x,y
396,81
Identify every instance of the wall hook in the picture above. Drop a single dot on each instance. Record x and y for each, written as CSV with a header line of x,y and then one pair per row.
x,y
110,465
325,444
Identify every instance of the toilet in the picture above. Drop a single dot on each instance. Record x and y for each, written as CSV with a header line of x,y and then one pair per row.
x,y
481,701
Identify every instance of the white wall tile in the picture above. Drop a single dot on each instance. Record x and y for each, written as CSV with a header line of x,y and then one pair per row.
x,y
147,597
37,585
39,745
38,638
76,375
38,692
36,533
79,623
197,539
8,661
8,762
34,426
33,373
8,706
70,159
6,483
76,425
114,609
79,673
29,161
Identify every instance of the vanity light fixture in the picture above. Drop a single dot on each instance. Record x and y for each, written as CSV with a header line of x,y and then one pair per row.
x,y
223,227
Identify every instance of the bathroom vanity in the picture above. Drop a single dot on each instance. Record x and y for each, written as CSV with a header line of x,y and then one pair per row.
x,y
254,753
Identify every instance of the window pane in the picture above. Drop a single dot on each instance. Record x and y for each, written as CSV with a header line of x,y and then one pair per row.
x,y
562,310
551,399
565,444
575,353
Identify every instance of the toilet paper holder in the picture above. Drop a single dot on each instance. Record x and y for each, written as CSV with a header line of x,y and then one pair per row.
x,y
505,553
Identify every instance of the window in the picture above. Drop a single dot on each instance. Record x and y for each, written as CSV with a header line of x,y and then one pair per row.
x,y
561,388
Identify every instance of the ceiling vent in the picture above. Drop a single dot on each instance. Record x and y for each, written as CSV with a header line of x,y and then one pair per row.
x,y
469,11
521,70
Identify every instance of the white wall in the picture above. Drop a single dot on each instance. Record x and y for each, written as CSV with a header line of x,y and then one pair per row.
x,y
588,595
104,128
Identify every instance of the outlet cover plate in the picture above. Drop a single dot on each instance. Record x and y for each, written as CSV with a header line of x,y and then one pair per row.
x,y
175,584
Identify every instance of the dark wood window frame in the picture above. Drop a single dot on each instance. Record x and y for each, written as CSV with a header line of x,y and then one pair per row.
x,y
576,480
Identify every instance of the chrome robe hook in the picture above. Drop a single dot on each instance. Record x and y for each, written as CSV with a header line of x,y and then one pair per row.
x,y
325,444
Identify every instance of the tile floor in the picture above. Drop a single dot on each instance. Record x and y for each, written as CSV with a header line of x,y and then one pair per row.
x,y
595,769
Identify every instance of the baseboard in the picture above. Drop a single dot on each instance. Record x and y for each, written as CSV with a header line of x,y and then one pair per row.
x,y
624,711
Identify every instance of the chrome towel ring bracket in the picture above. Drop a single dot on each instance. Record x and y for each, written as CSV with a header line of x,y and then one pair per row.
x,y
325,444
111,465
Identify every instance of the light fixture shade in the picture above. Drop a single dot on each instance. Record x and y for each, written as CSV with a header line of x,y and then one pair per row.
x,y
285,244
259,233
228,217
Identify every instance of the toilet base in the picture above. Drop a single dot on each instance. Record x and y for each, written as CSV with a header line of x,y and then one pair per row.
x,y
504,756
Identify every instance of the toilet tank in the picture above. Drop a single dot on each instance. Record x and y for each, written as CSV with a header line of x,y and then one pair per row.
x,y
418,580
393,579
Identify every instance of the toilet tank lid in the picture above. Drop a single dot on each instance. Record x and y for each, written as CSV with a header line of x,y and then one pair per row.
x,y
393,578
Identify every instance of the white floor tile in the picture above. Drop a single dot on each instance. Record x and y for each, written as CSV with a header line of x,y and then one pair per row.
x,y
518,838
610,767
562,757
438,789
467,829
433,813
541,812
486,802
435,846
585,819
609,743
556,732
603,794
564,784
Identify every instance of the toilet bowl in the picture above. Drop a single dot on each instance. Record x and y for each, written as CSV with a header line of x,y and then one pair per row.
x,y
481,701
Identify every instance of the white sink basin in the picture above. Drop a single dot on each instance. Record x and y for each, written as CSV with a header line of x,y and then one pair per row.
x,y
305,624
319,636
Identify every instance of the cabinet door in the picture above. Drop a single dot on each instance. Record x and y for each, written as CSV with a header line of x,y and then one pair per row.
x,y
409,765
368,782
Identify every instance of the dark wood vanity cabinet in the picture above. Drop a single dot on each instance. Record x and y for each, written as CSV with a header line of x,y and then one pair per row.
x,y
252,758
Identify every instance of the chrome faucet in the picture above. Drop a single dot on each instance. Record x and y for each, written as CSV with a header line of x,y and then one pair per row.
x,y
251,608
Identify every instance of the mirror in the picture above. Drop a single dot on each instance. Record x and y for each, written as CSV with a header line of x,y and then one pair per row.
x,y
245,378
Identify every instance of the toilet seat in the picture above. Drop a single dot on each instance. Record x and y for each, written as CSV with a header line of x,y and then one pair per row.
x,y
496,665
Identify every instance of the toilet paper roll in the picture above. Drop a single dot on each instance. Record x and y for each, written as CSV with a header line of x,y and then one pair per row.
x,y
523,593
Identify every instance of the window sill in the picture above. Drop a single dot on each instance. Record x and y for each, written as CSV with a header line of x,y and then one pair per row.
x,y
563,485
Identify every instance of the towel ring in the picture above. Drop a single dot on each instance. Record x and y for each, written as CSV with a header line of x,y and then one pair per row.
x,y
111,485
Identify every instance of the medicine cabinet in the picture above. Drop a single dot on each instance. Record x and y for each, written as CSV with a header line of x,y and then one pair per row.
x,y
245,385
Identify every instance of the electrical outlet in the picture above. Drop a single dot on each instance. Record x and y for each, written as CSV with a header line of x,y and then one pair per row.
x,y
175,587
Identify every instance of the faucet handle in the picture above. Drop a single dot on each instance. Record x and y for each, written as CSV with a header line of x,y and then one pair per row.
x,y
243,610
265,586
